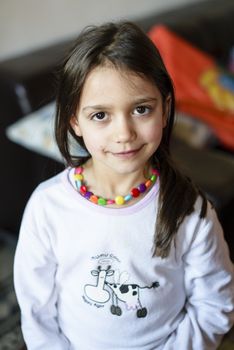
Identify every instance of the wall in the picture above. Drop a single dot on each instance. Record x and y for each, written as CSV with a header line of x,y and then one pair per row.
x,y
28,24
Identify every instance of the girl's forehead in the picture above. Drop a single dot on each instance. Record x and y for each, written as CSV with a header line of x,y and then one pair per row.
x,y
121,73
112,80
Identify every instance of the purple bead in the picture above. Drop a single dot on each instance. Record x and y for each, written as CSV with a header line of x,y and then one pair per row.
x,y
142,187
88,194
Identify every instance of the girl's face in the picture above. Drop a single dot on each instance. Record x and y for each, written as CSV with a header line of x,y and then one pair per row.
x,y
121,118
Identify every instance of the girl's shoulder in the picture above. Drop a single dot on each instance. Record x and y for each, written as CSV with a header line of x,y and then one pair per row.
x,y
45,199
51,187
196,217
210,214
197,230
54,181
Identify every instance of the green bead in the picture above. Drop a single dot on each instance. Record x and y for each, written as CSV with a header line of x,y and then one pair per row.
x,y
101,201
153,178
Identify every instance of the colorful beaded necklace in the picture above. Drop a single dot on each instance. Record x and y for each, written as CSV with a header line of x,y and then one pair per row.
x,y
119,200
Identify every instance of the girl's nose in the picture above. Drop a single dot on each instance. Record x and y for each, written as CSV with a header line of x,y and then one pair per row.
x,y
124,130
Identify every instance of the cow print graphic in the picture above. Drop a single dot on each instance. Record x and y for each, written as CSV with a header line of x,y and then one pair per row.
x,y
129,294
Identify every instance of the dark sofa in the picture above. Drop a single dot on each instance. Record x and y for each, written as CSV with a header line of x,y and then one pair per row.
x,y
28,82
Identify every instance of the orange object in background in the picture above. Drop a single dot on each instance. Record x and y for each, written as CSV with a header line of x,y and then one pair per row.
x,y
203,90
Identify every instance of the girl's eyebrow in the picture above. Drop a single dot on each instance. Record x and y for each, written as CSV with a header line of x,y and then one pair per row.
x,y
96,107
135,102
145,99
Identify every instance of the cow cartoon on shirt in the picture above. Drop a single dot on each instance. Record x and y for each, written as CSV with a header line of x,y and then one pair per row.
x,y
129,294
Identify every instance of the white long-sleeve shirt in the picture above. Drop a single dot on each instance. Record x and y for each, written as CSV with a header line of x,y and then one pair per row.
x,y
86,279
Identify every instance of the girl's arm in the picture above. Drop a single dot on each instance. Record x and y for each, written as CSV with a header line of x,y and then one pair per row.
x,y
209,310
34,278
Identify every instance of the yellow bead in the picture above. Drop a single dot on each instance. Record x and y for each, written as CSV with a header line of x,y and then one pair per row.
x,y
119,200
78,177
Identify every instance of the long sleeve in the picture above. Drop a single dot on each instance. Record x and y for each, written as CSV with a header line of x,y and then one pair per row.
x,y
59,254
208,279
34,278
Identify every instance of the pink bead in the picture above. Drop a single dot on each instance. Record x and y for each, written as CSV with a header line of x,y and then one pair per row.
x,y
155,172
79,170
110,201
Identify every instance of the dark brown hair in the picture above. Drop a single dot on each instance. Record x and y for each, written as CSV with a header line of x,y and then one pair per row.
x,y
126,47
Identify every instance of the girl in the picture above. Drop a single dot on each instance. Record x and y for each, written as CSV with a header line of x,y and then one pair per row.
x,y
120,251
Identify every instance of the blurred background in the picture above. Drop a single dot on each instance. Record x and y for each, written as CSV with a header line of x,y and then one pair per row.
x,y
27,24
196,41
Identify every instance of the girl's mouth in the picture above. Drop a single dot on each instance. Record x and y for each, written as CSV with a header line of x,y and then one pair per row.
x,y
127,154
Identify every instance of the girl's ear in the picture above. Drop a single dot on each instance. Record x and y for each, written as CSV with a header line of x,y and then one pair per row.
x,y
167,110
75,125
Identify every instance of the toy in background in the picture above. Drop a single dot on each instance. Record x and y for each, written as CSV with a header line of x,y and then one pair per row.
x,y
220,87
203,90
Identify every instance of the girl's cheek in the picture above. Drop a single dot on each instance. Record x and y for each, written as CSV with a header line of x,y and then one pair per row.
x,y
93,143
155,133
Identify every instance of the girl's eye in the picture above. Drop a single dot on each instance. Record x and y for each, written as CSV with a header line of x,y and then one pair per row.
x,y
99,116
142,110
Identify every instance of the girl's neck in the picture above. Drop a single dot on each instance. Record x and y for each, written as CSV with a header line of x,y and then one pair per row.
x,y
110,184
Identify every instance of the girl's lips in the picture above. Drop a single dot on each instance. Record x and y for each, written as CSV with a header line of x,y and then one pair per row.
x,y
127,154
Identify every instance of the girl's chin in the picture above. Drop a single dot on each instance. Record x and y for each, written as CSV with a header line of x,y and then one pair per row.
x,y
127,169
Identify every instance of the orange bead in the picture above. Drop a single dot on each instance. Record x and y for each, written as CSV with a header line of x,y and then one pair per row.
x,y
148,183
94,199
